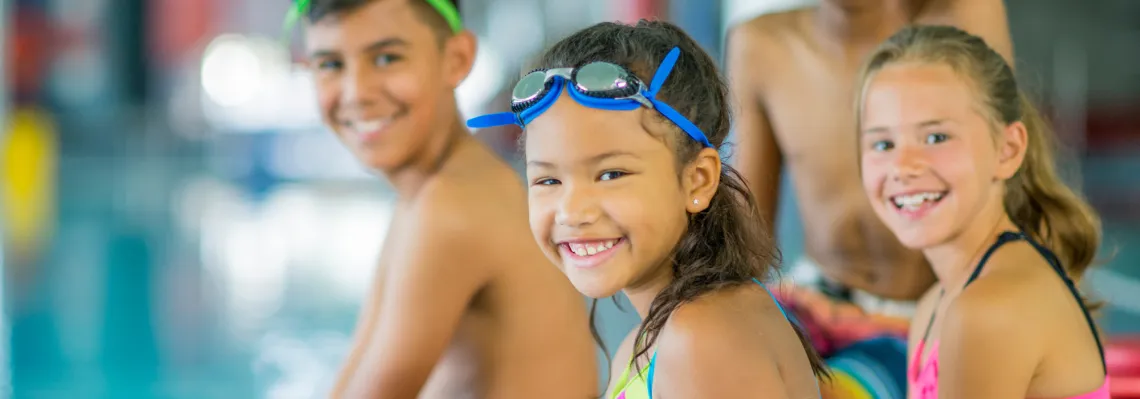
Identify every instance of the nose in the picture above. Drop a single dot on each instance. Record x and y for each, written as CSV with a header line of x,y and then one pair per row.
x,y
909,163
355,85
577,207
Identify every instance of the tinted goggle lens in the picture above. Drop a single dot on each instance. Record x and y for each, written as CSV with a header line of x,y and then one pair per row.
x,y
595,77
602,77
529,87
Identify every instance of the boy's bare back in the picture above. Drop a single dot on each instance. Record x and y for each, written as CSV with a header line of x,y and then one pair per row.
x,y
794,82
462,247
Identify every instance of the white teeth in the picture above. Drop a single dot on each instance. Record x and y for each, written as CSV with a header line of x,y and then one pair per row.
x,y
910,200
370,125
914,200
593,248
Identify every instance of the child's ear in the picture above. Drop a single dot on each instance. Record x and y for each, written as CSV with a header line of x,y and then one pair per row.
x,y
459,56
1012,146
700,180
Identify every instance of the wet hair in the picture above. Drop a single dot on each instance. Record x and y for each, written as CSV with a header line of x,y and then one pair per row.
x,y
1036,198
320,9
723,246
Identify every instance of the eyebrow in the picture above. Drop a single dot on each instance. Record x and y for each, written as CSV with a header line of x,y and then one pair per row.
x,y
876,130
591,160
923,124
374,46
932,122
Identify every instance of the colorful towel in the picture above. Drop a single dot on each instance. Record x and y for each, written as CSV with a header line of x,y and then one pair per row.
x,y
866,352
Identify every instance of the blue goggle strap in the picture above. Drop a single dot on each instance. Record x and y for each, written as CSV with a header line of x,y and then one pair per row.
x,y
622,104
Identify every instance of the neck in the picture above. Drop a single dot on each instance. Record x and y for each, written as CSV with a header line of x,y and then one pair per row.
x,y
642,295
446,140
864,20
954,260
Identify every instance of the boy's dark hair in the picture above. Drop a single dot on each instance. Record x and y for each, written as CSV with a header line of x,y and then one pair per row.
x,y
724,245
320,9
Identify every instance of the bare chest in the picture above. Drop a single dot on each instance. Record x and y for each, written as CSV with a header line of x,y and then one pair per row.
x,y
811,109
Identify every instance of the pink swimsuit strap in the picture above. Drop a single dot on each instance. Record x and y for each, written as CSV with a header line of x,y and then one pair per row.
x,y
923,376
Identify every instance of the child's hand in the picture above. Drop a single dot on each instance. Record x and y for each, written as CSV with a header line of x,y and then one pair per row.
x,y
824,309
845,323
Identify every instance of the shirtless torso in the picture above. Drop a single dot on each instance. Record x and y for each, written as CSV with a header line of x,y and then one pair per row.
x,y
793,75
523,331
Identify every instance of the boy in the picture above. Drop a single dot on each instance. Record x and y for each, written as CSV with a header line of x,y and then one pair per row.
x,y
464,303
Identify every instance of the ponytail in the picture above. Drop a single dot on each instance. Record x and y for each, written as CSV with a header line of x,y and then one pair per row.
x,y
1044,207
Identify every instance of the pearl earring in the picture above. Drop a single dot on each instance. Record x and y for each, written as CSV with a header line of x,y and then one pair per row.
x,y
695,202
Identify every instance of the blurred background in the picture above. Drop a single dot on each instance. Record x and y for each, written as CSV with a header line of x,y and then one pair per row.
x,y
178,224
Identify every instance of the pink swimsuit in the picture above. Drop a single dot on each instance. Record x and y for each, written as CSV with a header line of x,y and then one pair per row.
x,y
924,376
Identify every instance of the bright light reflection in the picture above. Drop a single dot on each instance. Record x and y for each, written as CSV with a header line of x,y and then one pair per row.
x,y
231,70
484,81
300,241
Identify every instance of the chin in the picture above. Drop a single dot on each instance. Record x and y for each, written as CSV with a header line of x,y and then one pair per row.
x,y
918,238
376,165
596,287
381,156
380,160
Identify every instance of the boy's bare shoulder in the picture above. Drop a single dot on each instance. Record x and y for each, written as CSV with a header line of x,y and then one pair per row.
x,y
759,49
476,207
770,29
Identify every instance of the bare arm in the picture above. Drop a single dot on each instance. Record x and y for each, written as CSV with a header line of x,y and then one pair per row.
x,y
984,18
986,351
757,154
427,292
361,335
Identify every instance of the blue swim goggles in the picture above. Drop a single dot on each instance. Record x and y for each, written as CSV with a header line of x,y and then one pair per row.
x,y
599,84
